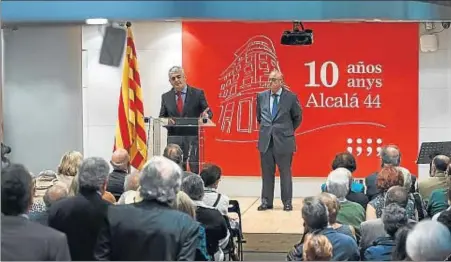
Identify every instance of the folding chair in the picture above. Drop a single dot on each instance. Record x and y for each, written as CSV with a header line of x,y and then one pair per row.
x,y
236,234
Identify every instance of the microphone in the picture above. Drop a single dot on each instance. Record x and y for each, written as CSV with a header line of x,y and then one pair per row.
x,y
205,116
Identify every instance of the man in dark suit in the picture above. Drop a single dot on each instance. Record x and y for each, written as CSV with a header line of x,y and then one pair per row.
x,y
279,114
390,156
23,239
80,217
184,101
150,229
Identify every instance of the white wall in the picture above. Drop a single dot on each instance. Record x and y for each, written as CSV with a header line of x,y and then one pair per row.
x,y
159,47
42,100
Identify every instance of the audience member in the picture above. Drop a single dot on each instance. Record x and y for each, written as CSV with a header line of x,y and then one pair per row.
x,y
213,221
393,218
317,248
445,219
23,239
68,167
350,213
437,179
429,241
387,177
52,195
108,197
120,161
186,205
316,221
211,175
333,207
150,229
416,198
440,199
399,252
43,181
80,217
373,229
131,189
175,153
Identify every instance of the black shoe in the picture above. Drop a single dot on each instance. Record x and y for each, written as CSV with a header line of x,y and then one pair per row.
x,y
264,207
287,207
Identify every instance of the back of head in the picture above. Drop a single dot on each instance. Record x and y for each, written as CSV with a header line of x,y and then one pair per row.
x,y
345,160
54,194
397,195
160,180
121,160
70,162
93,174
332,204
17,190
131,182
211,174
390,156
193,186
338,182
389,176
174,153
406,176
399,250
429,241
445,218
317,248
440,163
393,217
315,214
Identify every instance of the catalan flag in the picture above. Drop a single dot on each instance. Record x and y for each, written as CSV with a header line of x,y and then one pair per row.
x,y
130,131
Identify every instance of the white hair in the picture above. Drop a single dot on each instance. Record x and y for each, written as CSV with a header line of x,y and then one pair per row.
x,y
93,173
338,182
429,241
407,177
175,69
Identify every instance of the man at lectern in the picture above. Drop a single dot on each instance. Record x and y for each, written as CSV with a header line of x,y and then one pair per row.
x,y
279,114
184,101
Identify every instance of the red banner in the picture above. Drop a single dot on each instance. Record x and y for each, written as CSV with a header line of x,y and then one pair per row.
x,y
357,84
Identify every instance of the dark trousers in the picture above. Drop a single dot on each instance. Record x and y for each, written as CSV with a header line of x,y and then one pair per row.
x,y
190,148
269,160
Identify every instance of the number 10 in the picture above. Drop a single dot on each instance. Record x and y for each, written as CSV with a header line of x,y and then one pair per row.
x,y
323,74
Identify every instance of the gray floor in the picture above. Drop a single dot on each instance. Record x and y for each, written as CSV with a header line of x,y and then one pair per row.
x,y
264,256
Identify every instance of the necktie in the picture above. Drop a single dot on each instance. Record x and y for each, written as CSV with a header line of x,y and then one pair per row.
x,y
275,103
179,102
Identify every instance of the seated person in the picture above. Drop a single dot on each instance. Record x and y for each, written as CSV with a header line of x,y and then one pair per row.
x,y
317,248
213,221
333,207
437,179
316,221
211,175
440,199
394,217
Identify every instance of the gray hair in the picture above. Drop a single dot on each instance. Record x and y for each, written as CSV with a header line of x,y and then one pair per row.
x,y
193,186
429,241
53,194
160,180
407,177
131,182
394,217
391,156
175,69
314,213
338,182
93,174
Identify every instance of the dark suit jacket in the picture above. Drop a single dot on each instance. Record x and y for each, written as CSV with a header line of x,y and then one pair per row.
x,y
116,181
80,218
29,241
371,190
195,104
148,231
281,128
215,226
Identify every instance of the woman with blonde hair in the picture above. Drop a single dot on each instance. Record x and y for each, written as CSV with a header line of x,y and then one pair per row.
x,y
316,248
68,167
184,204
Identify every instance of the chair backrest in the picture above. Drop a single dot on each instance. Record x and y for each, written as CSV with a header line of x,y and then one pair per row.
x,y
234,207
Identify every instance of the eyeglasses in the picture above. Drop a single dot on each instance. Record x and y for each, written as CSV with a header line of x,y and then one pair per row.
x,y
173,78
274,79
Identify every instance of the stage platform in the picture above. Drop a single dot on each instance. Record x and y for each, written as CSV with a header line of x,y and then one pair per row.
x,y
274,231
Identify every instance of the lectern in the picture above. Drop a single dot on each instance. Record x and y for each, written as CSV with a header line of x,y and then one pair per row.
x,y
429,149
189,134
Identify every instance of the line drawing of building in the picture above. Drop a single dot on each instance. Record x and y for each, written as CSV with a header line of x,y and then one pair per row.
x,y
240,82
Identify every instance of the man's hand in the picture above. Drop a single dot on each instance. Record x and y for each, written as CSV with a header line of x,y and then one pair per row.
x,y
171,121
205,113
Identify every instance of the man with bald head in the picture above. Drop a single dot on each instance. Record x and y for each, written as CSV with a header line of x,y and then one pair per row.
x,y
390,156
279,114
120,161
52,195
437,179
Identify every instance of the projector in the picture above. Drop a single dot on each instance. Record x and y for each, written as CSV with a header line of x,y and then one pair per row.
x,y
296,36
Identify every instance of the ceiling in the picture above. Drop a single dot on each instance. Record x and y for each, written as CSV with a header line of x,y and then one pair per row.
x,y
438,2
